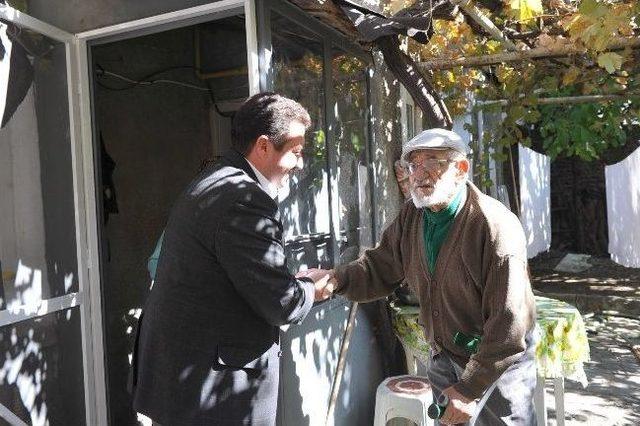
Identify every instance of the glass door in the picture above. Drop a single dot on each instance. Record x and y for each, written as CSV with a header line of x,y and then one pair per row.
x,y
46,364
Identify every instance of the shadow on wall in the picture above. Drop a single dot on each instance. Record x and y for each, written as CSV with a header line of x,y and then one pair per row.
x,y
41,375
623,208
387,142
309,362
307,195
310,357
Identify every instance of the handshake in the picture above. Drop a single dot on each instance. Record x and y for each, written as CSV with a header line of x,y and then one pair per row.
x,y
324,281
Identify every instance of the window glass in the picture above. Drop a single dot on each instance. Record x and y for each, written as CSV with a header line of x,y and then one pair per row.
x,y
37,218
297,56
354,201
41,375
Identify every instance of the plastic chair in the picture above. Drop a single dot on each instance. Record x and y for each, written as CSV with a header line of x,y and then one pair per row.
x,y
405,396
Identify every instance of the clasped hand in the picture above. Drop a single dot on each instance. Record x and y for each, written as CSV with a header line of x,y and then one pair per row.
x,y
459,409
323,280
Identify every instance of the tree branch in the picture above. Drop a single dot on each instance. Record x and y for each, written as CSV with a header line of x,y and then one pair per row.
x,y
421,90
535,53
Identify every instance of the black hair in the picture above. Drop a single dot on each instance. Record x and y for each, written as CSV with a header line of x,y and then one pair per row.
x,y
266,114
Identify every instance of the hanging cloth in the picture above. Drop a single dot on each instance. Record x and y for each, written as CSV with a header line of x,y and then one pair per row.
x,y
109,202
16,73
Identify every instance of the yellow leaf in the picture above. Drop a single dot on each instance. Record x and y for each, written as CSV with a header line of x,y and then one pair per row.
x,y
526,9
451,77
610,61
570,76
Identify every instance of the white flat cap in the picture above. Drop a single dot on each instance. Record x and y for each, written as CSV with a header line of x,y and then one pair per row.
x,y
435,139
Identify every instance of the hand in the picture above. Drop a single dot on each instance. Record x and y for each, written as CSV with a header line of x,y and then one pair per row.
x,y
323,281
459,409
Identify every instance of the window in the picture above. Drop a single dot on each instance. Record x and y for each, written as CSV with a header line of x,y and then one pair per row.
x,y
354,187
38,258
298,73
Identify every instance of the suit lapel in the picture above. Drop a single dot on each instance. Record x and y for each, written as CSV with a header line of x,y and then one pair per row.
x,y
236,159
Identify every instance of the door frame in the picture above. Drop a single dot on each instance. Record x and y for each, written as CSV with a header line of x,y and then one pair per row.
x,y
83,43
80,298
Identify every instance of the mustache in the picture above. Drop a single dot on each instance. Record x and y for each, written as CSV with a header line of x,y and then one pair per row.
x,y
424,182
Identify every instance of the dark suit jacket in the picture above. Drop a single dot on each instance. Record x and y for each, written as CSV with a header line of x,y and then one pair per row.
x,y
207,350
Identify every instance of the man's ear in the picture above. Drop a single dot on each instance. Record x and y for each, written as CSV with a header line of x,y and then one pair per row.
x,y
463,166
262,146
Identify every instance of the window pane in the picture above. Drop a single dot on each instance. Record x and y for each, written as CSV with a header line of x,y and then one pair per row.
x,y
298,74
37,226
41,375
350,94
223,65
309,254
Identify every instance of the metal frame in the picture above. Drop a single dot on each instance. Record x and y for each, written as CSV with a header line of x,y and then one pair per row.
x,y
332,157
264,44
330,38
85,40
23,20
71,300
82,155
164,22
323,31
93,327
369,158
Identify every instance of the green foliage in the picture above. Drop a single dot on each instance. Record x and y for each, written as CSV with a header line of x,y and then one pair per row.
x,y
582,130
20,5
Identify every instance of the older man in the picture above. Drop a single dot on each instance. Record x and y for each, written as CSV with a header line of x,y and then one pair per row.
x,y
208,347
464,255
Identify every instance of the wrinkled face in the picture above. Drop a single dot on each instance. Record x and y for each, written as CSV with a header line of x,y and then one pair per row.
x,y
433,178
285,160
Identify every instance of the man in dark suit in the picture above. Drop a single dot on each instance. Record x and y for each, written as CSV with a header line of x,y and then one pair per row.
x,y
207,350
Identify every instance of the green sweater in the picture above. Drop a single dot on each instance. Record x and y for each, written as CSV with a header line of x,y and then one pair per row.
x,y
437,225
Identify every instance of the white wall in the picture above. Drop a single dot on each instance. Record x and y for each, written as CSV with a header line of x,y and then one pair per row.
x,y
535,204
623,210
21,210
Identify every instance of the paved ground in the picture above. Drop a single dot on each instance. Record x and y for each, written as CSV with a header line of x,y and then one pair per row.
x,y
613,394
603,278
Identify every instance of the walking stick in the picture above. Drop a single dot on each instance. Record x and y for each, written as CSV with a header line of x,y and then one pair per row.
x,y
335,387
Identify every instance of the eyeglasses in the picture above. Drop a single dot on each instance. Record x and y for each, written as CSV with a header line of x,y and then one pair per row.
x,y
430,164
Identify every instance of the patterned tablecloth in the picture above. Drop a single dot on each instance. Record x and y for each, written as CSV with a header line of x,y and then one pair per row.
x,y
562,349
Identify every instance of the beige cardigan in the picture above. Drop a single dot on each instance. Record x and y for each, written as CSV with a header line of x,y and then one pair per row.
x,y
480,286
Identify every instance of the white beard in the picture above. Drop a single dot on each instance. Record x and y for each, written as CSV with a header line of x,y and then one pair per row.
x,y
443,192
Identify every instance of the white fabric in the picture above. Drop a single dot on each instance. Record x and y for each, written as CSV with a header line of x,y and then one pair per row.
x,y
267,186
535,204
435,139
623,210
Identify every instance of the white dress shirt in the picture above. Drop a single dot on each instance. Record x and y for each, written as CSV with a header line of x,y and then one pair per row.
x,y
266,186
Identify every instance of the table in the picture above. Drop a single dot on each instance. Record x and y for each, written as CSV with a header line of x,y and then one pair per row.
x,y
562,349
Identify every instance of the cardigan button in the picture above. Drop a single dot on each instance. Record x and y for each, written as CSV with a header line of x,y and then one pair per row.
x,y
436,313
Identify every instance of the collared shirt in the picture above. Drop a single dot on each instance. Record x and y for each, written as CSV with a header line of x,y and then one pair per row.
x,y
267,186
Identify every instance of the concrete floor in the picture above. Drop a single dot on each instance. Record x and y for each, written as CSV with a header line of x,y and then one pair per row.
x,y
613,394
